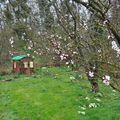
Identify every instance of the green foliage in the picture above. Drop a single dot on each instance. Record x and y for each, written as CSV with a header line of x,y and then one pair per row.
x,y
24,35
26,10
47,18
8,15
1,77
21,28
14,3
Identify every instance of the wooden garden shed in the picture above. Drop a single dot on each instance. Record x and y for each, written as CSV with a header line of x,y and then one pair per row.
x,y
23,64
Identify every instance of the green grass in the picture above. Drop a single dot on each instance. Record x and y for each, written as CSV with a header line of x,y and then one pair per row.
x,y
50,95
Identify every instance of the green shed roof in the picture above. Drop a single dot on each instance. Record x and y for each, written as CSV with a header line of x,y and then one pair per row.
x,y
19,57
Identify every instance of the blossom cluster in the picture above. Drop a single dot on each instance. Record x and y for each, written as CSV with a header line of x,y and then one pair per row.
x,y
63,56
106,79
91,74
11,41
115,47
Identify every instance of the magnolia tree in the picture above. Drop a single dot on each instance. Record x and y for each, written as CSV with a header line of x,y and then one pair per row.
x,y
77,43
107,14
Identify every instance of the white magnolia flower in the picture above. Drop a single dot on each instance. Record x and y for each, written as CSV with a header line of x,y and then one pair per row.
x,y
28,54
106,79
52,36
60,37
11,42
57,51
29,48
11,54
109,36
115,47
106,82
67,63
24,20
74,52
72,62
64,57
61,57
94,68
91,74
99,51
38,33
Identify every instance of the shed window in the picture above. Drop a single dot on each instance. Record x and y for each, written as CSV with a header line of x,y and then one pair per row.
x,y
31,64
25,64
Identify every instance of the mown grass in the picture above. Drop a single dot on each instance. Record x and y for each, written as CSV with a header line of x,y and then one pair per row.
x,y
50,94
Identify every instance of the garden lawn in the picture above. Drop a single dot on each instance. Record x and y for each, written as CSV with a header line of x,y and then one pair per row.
x,y
55,94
